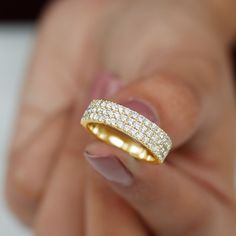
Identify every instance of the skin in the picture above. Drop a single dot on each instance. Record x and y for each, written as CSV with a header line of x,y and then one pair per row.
x,y
179,50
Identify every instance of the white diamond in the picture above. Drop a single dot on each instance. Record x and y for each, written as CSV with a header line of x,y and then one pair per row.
x,y
140,136
154,137
120,124
133,131
127,112
150,144
149,133
117,115
130,122
113,121
159,141
110,113
136,125
135,115
144,129
157,152
168,145
145,139
106,118
153,125
140,119
120,109
124,118
126,128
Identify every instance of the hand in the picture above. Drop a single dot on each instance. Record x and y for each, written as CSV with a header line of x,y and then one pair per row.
x,y
171,59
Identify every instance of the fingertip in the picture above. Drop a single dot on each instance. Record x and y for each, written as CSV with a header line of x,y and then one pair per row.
x,y
176,104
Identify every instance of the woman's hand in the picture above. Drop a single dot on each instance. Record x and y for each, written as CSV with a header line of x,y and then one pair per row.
x,y
166,59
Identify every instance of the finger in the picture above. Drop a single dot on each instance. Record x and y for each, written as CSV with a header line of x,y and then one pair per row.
x,y
107,213
61,210
161,194
59,70
65,193
70,171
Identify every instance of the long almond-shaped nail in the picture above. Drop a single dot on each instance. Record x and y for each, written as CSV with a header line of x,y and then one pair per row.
x,y
142,107
105,85
110,168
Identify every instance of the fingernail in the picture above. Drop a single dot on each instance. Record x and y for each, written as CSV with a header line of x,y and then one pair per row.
x,y
104,86
142,107
110,168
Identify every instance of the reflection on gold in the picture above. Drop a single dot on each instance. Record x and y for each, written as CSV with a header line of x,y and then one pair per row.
x,y
118,139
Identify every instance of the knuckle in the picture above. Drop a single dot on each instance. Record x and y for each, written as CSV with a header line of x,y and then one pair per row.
x,y
20,193
20,202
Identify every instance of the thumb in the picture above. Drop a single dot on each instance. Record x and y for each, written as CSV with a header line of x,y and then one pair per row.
x,y
160,193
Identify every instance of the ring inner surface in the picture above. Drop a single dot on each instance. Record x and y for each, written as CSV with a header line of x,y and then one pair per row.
x,y
121,140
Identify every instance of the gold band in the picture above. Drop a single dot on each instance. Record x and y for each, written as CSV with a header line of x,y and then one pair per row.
x,y
126,129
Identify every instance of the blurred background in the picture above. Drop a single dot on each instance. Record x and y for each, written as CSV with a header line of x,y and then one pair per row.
x,y
18,21
17,33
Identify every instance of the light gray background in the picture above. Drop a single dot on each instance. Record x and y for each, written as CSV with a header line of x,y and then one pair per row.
x,y
15,45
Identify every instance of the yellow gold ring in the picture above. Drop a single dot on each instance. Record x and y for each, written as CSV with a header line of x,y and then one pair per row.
x,y
126,129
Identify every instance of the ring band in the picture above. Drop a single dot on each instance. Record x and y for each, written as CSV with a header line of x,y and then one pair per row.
x,y
126,129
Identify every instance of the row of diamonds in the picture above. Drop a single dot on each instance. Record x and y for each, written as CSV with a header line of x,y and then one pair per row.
x,y
132,123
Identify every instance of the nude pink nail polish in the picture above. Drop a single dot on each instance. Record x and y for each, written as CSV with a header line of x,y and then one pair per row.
x,y
110,168
143,108
104,86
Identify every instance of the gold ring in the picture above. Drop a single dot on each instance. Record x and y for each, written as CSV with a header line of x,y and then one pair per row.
x,y
126,129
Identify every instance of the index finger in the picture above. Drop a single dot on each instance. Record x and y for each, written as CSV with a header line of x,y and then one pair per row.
x,y
58,79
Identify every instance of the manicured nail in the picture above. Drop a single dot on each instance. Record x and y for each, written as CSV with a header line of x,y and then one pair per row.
x,y
142,107
104,86
110,168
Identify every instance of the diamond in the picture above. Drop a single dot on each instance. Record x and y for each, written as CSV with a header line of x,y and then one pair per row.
x,y
124,118
144,129
113,121
120,109
126,128
120,124
117,115
140,119
149,133
135,115
136,125
140,135
110,113
130,122
127,112
146,139
147,122
133,131
159,141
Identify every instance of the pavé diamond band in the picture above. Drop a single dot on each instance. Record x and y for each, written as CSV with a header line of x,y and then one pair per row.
x,y
126,129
